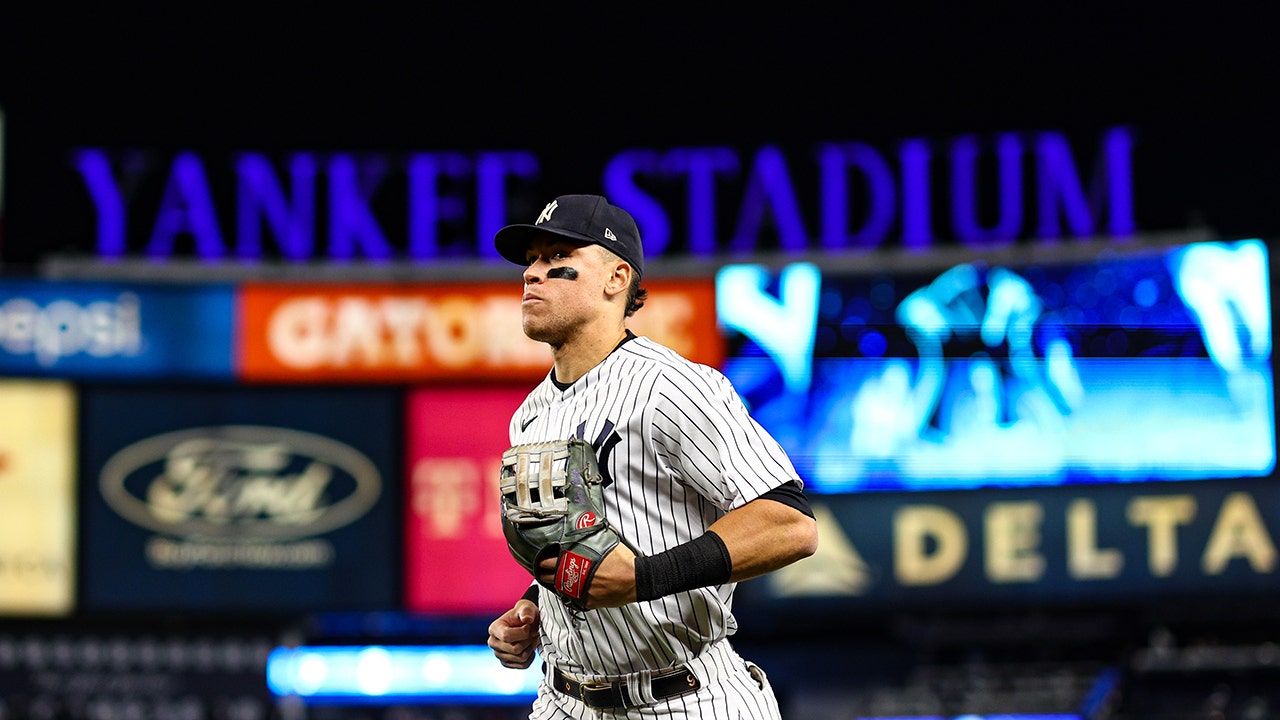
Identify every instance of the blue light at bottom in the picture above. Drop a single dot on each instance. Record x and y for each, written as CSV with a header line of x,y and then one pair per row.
x,y
436,674
998,716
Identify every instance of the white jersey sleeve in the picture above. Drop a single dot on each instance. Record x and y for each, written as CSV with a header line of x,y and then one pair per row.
x,y
711,443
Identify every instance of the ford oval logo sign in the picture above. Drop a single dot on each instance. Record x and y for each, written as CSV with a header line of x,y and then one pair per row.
x,y
240,482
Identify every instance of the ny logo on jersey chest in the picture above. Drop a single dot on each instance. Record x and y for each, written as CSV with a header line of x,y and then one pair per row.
x,y
606,440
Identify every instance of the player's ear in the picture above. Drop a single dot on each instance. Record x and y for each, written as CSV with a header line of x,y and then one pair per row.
x,y
619,279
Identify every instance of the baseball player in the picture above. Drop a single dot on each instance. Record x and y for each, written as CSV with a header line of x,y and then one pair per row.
x,y
701,495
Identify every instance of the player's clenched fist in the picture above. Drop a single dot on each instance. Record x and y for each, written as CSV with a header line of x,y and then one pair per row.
x,y
514,636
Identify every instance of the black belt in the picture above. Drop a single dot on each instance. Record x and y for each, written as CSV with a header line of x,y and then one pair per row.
x,y
607,694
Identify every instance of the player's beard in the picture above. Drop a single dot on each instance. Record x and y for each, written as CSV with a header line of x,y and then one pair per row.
x,y
554,331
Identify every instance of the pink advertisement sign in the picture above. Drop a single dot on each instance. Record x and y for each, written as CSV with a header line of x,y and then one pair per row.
x,y
456,558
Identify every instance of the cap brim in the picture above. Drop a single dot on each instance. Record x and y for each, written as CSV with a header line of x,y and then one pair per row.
x,y
512,242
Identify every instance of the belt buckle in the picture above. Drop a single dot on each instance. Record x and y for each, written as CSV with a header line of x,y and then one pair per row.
x,y
592,685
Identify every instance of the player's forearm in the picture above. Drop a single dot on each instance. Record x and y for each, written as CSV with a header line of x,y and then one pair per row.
x,y
763,536
758,538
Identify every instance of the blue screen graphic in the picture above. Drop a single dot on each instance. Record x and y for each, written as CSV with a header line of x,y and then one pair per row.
x,y
1126,368
423,675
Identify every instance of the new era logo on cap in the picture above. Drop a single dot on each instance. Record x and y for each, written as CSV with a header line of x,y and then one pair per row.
x,y
585,218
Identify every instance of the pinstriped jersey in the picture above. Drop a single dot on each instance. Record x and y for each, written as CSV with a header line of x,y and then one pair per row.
x,y
677,450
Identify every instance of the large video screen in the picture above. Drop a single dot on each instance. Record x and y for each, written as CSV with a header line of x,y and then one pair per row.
x,y
1145,365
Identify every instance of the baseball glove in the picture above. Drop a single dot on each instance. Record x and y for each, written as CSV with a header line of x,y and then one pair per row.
x,y
552,506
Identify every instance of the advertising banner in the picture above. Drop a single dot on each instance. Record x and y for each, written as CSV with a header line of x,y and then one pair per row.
x,y
37,497
115,330
1037,547
456,557
233,499
398,333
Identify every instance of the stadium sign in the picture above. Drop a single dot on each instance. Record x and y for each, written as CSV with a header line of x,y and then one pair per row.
x,y
982,191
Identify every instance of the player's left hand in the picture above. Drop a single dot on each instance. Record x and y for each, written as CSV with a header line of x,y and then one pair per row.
x,y
614,584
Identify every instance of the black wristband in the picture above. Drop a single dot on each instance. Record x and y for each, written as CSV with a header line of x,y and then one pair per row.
x,y
698,563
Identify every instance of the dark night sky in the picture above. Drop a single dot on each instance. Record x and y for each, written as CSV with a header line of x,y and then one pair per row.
x,y
1197,83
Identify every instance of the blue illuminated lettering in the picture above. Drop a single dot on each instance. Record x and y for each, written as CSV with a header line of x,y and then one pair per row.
x,y
1117,154
95,168
702,166
964,194
769,188
351,221
492,171
426,206
833,159
187,207
860,195
620,187
1059,185
260,197
917,224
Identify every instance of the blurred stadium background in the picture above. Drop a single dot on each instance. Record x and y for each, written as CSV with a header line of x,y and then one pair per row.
x,y
998,278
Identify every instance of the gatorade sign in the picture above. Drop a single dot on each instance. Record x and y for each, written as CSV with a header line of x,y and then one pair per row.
x,y
396,333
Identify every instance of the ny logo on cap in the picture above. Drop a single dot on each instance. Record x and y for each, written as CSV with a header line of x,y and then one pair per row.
x,y
608,235
546,212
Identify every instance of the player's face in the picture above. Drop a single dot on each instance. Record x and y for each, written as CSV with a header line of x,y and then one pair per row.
x,y
563,288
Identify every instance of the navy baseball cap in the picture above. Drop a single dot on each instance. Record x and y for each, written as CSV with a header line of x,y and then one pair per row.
x,y
586,218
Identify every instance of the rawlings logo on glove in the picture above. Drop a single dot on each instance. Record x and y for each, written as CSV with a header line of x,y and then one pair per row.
x,y
552,506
